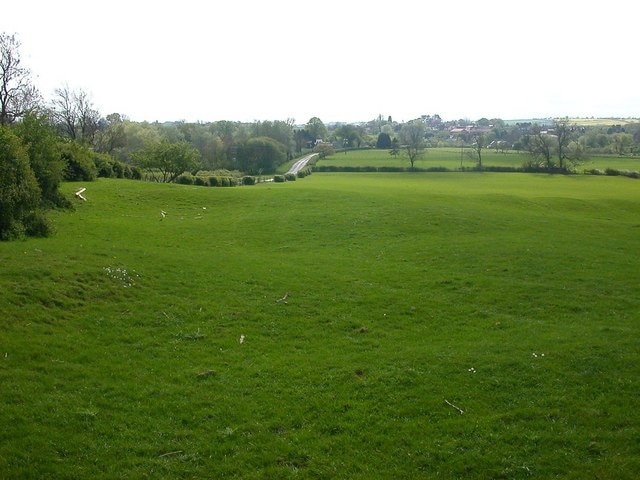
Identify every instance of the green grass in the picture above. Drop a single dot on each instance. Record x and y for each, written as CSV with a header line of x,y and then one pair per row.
x,y
454,159
513,297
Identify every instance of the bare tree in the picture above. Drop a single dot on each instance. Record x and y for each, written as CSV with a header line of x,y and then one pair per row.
x,y
541,146
75,114
17,94
479,142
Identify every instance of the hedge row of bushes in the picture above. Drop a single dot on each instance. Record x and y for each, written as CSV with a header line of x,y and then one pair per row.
x,y
614,172
108,167
488,168
224,181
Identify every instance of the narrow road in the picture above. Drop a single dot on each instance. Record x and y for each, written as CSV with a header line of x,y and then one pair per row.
x,y
300,164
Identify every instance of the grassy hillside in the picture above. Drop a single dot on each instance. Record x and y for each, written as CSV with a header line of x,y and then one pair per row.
x,y
455,158
134,345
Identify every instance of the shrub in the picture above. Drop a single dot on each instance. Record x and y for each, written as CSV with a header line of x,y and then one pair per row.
x,y
79,163
224,182
248,180
118,169
304,172
279,178
36,224
185,180
19,190
214,182
136,173
290,177
199,181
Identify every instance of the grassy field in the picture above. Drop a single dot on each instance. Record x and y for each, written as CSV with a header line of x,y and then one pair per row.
x,y
451,325
455,158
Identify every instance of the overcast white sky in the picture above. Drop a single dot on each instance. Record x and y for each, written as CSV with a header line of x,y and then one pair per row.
x,y
340,60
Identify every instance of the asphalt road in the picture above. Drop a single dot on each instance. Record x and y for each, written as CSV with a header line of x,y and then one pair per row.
x,y
300,164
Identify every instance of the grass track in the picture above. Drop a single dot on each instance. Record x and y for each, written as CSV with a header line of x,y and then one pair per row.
x,y
120,352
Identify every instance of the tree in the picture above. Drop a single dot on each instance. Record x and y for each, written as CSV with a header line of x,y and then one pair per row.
x,y
19,191
316,128
622,143
412,138
479,142
541,146
567,149
261,154
166,161
384,141
44,157
75,114
111,135
17,95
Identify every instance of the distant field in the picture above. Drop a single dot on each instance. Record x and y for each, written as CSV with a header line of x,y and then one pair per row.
x,y
451,325
454,158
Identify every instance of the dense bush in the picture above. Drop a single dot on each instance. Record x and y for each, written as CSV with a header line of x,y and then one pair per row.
x,y
290,177
80,163
248,180
305,172
279,178
214,181
19,190
36,224
199,181
185,180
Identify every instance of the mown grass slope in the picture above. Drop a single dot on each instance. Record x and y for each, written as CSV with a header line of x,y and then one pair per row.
x,y
514,298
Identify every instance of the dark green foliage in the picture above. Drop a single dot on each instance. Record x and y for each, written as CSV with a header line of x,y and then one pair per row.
x,y
136,173
248,180
80,165
384,141
214,181
261,154
224,182
165,161
19,190
37,224
279,178
290,177
185,180
305,172
44,157
199,181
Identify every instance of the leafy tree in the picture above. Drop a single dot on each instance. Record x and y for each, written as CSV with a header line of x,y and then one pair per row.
x,y
111,134
324,149
44,157
281,132
541,146
17,95
165,161
622,143
316,128
350,135
384,140
19,191
412,138
395,147
80,165
567,150
261,154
